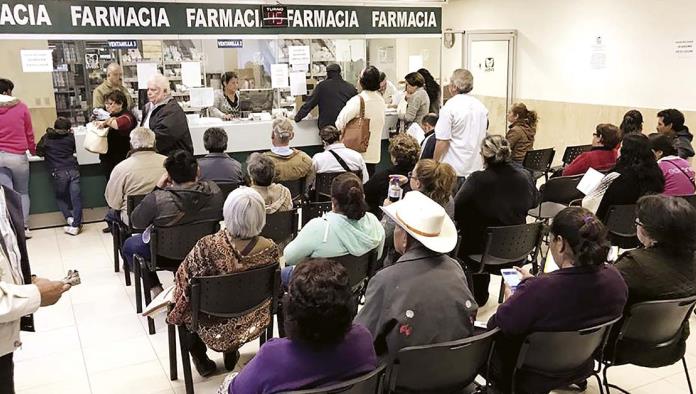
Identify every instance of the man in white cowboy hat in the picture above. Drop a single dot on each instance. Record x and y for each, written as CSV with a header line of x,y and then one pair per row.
x,y
424,298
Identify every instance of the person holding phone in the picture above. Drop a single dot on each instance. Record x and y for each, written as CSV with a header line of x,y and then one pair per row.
x,y
585,291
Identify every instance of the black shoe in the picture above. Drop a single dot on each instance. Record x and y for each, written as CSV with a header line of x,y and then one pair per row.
x,y
106,230
231,360
204,366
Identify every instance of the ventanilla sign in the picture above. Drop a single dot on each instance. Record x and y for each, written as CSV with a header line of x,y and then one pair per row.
x,y
151,18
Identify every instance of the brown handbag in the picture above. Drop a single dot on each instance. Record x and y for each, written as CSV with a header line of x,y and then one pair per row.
x,y
356,134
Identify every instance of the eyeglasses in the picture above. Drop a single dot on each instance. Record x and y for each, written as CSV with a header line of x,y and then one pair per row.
x,y
638,223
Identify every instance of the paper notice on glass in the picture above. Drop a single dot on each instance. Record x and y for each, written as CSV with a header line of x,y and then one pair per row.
x,y
415,63
191,74
342,50
590,181
298,54
279,76
202,97
145,72
684,49
300,68
298,83
36,60
357,50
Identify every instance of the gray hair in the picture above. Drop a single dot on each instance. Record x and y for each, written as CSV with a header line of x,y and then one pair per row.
x,y
215,140
495,149
142,138
160,81
282,129
244,213
113,67
261,169
462,80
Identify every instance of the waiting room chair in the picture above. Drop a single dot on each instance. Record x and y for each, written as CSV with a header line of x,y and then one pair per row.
x,y
313,210
297,189
169,246
506,245
572,152
538,162
359,268
621,225
281,226
556,195
121,232
557,354
322,185
370,383
225,296
446,367
228,187
649,326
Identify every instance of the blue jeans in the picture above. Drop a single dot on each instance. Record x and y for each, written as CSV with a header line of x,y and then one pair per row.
x,y
285,275
66,184
135,245
18,166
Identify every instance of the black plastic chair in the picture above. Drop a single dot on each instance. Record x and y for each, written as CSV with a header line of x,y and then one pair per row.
x,y
313,210
556,195
297,188
510,245
228,187
121,232
169,246
446,367
281,226
225,296
359,268
621,225
538,162
651,325
370,383
322,184
557,354
571,152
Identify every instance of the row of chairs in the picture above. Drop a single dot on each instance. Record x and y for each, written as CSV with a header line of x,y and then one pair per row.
x,y
539,161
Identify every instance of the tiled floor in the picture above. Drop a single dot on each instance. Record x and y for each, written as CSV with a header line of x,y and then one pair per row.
x,y
92,341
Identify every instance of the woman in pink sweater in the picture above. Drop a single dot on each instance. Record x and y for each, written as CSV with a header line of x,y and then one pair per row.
x,y
679,176
16,137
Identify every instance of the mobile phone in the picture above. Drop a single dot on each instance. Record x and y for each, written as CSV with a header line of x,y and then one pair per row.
x,y
511,277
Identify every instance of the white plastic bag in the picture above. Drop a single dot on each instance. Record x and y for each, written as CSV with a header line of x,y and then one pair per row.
x,y
95,139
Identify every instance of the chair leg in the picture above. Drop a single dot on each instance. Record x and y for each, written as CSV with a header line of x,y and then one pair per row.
x,y
599,382
185,358
688,378
502,291
116,243
127,274
607,384
147,286
137,278
171,334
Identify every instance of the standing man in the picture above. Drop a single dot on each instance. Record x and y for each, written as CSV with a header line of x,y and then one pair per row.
x,y
113,81
671,121
461,127
164,116
331,95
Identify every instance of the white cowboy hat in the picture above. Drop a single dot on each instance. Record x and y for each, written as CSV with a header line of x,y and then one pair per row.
x,y
425,220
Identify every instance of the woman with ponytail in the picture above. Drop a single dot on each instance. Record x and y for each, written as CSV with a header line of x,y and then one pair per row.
x,y
521,131
585,291
347,229
632,123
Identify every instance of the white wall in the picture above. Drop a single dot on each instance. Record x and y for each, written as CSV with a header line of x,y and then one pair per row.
x,y
555,40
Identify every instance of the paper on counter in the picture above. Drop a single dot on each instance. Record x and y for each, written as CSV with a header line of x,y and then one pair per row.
x,y
590,181
298,83
191,74
279,76
201,97
145,72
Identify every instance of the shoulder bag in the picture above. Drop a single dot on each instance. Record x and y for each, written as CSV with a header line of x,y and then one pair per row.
x,y
95,139
356,134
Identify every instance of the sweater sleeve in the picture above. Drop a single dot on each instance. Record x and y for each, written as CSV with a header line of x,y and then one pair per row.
x,y
577,166
29,131
215,109
517,315
348,113
308,106
17,301
144,214
303,245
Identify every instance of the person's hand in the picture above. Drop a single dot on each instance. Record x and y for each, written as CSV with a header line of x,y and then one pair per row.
x,y
50,290
164,181
387,202
227,117
524,272
403,179
99,124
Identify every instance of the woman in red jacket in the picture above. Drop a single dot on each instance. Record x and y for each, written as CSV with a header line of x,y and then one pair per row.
x,y
602,156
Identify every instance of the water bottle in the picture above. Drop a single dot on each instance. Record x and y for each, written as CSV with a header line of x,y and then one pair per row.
x,y
395,191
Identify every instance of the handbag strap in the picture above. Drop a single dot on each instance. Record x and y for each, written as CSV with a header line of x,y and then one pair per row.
x,y
340,161
362,106
250,246
693,182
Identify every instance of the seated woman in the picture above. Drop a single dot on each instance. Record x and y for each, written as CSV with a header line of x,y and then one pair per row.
x,y
261,170
336,157
638,172
238,247
424,298
226,104
404,151
500,195
602,156
679,176
521,130
664,268
583,292
323,346
290,164
179,198
347,229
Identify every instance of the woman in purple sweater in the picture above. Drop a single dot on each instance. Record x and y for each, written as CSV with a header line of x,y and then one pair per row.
x,y
323,345
679,176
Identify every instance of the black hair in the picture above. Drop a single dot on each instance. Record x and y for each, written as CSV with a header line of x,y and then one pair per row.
x,y
632,122
215,140
62,124
117,97
181,166
415,79
430,119
347,192
671,222
369,80
609,134
662,142
672,117
584,233
319,304
431,86
637,157
226,77
6,85
382,76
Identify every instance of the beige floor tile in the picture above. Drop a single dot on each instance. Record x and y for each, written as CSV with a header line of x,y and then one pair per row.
x,y
659,387
48,343
72,386
629,377
44,371
135,378
116,354
94,332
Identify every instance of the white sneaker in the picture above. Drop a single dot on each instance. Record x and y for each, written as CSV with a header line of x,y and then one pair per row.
x,y
71,230
69,221
27,233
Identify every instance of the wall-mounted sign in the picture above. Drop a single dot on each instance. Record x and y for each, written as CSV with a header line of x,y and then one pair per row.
x,y
125,44
90,18
230,43
36,60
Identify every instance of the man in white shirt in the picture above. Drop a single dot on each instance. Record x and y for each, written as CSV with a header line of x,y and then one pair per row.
x,y
461,127
387,90
327,162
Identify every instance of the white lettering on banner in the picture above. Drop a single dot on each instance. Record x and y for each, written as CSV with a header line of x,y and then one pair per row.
x,y
221,17
403,19
118,16
23,14
322,18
